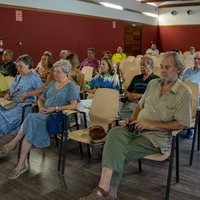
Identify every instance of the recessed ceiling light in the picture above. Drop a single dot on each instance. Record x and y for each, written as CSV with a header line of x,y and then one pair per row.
x,y
110,5
150,14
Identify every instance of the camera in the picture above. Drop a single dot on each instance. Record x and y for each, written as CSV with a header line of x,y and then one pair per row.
x,y
131,127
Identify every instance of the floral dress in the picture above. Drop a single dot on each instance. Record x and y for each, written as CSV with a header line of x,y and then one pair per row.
x,y
10,119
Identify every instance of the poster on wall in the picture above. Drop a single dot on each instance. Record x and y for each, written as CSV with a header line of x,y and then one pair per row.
x,y
18,15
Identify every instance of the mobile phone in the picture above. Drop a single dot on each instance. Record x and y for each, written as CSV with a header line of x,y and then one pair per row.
x,y
131,127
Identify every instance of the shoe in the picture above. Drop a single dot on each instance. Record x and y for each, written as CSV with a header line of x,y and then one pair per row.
x,y
3,152
97,194
15,174
189,134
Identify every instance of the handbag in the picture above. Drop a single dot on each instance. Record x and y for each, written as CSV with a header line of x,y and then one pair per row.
x,y
7,104
54,123
97,132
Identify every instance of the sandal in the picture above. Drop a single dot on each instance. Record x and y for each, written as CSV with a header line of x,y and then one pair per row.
x,y
97,194
15,174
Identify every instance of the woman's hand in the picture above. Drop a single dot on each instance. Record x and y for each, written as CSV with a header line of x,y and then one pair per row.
x,y
47,110
7,96
22,97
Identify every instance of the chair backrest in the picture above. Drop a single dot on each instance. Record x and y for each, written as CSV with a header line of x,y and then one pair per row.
x,y
189,63
9,80
130,58
104,107
195,96
87,71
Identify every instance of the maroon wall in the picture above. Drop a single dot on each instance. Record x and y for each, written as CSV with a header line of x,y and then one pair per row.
x,y
150,35
179,37
40,31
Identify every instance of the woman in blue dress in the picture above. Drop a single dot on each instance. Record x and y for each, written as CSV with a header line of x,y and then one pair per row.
x,y
21,90
60,94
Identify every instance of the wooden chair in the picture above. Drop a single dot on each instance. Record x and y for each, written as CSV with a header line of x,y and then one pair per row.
x,y
130,58
195,117
189,63
88,72
175,144
104,107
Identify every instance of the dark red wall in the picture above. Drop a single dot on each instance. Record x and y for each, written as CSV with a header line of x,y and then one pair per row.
x,y
179,37
40,31
150,35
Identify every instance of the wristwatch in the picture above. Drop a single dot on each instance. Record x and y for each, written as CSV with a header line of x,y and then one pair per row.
x,y
57,109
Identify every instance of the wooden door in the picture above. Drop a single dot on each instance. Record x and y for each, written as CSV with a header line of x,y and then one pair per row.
x,y
132,42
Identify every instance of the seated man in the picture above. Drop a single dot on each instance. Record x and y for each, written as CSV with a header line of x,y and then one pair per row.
x,y
7,68
192,75
152,51
191,54
137,87
165,106
119,56
90,60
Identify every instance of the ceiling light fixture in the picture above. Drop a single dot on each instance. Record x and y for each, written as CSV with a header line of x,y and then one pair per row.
x,y
110,5
150,14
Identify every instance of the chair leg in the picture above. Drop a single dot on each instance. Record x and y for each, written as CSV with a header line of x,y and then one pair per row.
x,y
192,148
62,149
177,158
196,132
80,148
198,138
140,165
89,153
170,168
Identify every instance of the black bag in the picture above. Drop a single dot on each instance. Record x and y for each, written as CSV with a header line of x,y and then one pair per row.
x,y
54,123
97,132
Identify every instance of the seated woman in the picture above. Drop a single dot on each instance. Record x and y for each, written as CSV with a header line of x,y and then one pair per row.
x,y
59,95
105,78
46,71
3,85
76,73
26,82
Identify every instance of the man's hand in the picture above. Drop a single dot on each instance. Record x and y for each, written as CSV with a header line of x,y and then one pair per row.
x,y
141,125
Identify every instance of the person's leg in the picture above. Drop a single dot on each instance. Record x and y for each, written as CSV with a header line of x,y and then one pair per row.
x,y
21,166
113,159
13,143
127,110
84,106
26,146
138,148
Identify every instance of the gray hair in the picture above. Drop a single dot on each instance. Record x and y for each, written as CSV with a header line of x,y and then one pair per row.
x,y
64,64
178,60
26,59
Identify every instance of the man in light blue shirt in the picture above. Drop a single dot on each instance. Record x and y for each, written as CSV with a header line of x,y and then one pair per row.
x,y
193,75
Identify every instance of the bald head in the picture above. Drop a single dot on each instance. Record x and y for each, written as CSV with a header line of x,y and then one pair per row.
x,y
197,61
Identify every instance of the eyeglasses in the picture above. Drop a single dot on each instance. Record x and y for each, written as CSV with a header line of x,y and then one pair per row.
x,y
198,59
